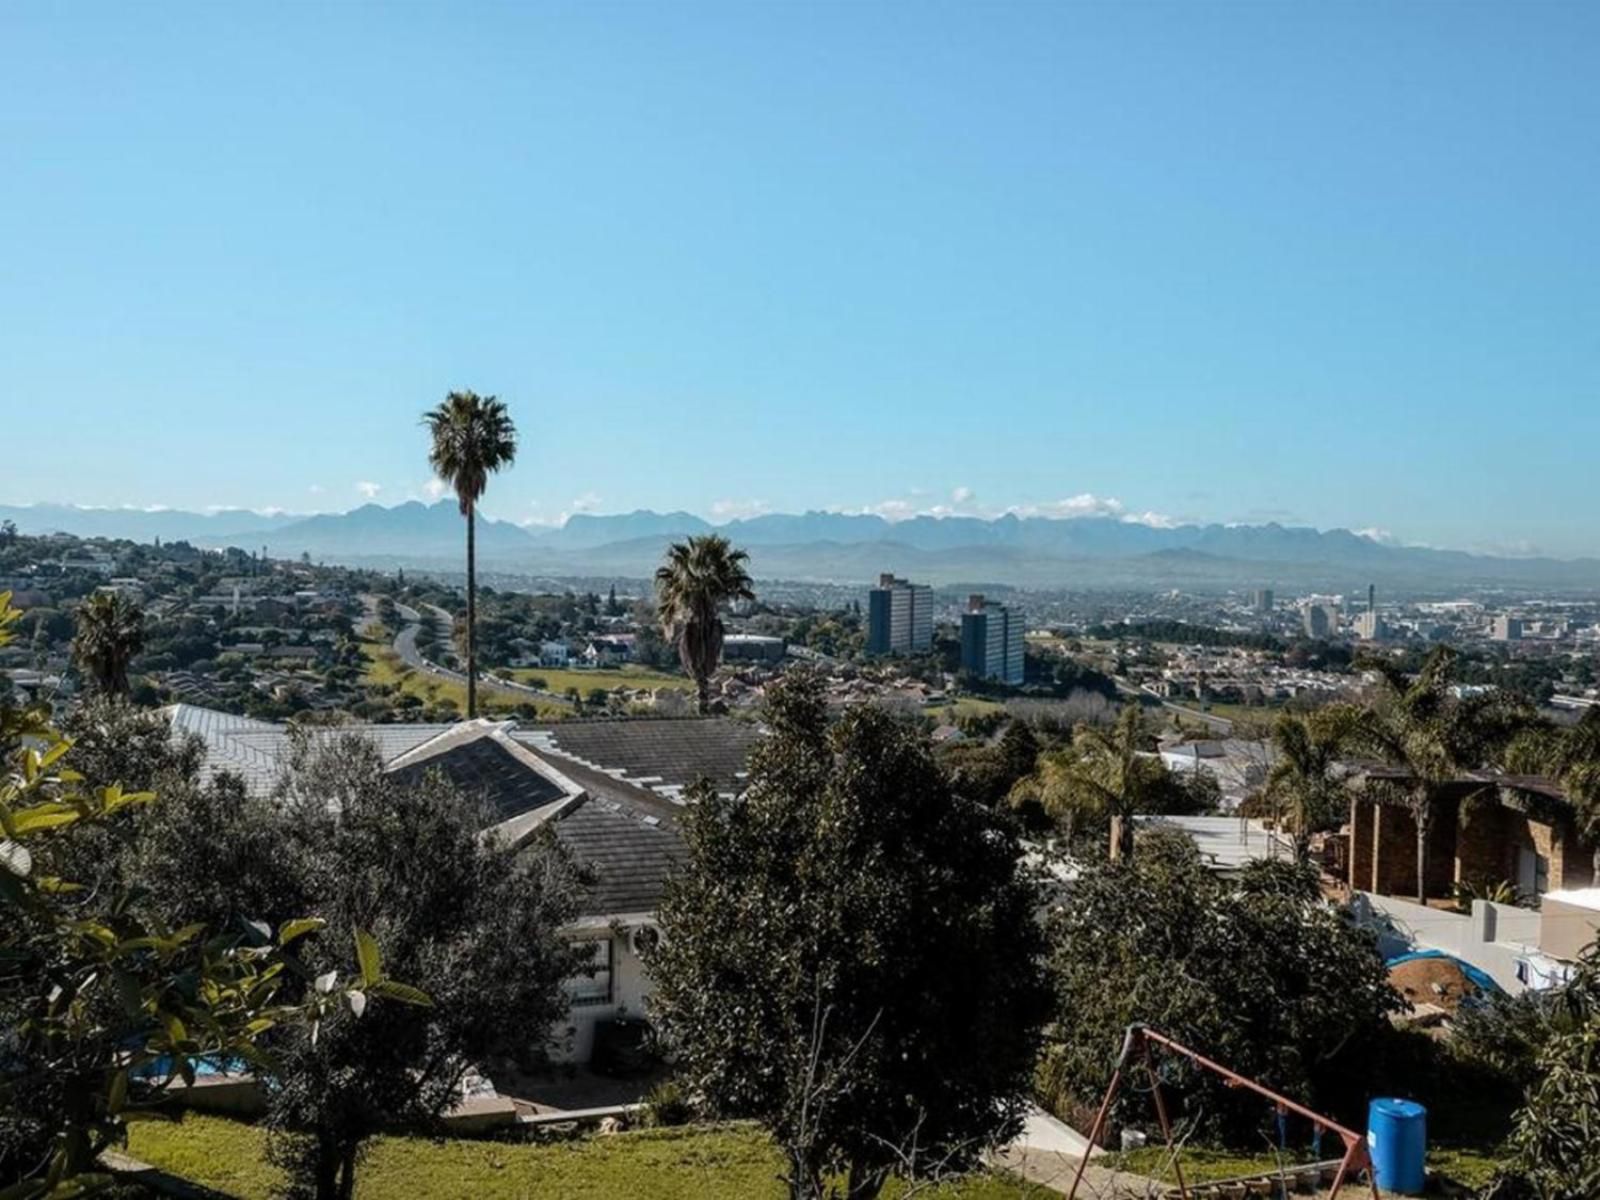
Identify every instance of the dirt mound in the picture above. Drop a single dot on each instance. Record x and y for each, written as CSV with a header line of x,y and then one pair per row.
x,y
1436,981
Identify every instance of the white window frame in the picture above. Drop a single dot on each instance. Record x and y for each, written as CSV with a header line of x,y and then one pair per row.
x,y
592,986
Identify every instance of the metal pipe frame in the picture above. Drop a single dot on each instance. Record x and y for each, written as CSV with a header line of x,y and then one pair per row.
x,y
1141,1038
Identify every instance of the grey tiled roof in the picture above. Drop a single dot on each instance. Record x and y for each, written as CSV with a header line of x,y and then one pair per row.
x,y
665,756
258,750
628,855
484,767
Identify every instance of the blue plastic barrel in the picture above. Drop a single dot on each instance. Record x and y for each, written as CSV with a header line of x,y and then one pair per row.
x,y
1397,1140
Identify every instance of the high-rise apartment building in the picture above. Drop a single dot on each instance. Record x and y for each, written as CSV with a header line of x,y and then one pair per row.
x,y
1320,620
991,641
899,617
1507,628
1261,600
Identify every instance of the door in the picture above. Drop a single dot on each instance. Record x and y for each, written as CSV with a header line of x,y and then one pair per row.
x,y
1533,872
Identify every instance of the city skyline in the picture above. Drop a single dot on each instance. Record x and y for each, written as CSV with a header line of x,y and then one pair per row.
x,y
1228,265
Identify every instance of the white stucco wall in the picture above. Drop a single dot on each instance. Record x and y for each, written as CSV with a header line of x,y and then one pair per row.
x,y
1492,938
572,1040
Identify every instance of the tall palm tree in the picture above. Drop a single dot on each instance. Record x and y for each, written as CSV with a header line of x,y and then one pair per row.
x,y
1434,735
110,633
473,437
697,578
1101,775
1301,784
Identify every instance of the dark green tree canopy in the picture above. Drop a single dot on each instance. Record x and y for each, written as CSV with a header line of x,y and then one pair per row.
x,y
851,952
1258,975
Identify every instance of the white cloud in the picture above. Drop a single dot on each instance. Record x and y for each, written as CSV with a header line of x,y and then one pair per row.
x,y
1084,504
435,488
892,510
369,489
1154,519
587,502
731,510
315,489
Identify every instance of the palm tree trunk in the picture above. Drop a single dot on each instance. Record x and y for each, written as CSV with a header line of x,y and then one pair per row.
x,y
702,684
472,611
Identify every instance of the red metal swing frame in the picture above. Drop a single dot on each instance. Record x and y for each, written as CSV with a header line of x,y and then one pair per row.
x,y
1139,1038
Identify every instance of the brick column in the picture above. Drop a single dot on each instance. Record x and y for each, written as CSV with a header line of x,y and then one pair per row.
x,y
1394,852
1360,845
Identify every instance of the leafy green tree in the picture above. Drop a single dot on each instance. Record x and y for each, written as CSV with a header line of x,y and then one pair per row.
x,y
1302,786
850,954
103,999
473,437
697,579
1555,1145
110,633
1258,975
1435,735
471,921
1101,775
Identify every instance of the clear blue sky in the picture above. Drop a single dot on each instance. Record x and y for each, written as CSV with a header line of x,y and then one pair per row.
x,y
1330,263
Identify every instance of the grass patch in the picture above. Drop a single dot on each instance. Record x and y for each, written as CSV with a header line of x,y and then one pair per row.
x,y
1469,1168
630,676
966,706
690,1163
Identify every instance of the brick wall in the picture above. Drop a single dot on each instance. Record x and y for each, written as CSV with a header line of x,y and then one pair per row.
x,y
1394,854
1360,856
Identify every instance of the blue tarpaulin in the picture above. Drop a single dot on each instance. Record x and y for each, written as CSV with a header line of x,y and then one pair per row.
x,y
1479,979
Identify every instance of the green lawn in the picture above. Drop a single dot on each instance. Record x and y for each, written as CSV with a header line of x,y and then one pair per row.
x,y
630,676
966,706
695,1163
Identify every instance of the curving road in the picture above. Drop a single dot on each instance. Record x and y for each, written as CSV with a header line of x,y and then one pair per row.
x,y
405,645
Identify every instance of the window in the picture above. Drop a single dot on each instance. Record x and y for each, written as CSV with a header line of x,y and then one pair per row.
x,y
592,984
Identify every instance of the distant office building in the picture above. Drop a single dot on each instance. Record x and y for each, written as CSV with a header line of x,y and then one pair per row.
x,y
753,647
991,641
1370,627
1507,629
1261,600
1320,620
899,617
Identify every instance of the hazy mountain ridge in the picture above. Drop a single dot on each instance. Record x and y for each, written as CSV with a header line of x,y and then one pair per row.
x,y
840,547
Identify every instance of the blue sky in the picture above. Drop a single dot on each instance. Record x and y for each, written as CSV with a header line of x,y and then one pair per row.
x,y
1336,264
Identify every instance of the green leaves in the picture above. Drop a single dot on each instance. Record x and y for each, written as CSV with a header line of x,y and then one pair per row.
x,y
292,931
404,993
367,956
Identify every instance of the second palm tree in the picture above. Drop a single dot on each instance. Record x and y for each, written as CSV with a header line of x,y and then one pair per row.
x,y
699,576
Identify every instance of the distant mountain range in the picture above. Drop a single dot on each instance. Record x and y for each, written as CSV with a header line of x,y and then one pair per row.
x,y
840,547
